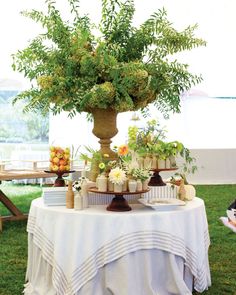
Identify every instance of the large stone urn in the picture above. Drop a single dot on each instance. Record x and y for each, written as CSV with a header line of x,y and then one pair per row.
x,y
105,128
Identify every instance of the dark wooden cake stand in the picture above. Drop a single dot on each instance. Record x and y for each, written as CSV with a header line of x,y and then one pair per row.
x,y
118,203
59,180
156,179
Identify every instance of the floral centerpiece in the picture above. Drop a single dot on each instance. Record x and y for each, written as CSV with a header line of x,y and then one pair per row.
x,y
123,68
77,185
156,154
117,176
142,174
150,141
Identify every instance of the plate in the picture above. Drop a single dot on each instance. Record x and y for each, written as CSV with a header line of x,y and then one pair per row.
x,y
162,203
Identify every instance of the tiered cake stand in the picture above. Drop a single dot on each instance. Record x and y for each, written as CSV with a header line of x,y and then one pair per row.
x,y
118,203
156,179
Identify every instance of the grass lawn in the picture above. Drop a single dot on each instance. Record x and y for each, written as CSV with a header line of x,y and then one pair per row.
x,y
222,254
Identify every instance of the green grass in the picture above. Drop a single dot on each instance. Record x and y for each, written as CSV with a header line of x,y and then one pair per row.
x,y
21,194
222,254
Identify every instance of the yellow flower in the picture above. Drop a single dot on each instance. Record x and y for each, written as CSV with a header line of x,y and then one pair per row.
x,y
123,150
105,155
101,166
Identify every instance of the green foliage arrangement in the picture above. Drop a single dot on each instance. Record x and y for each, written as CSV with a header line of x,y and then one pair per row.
x,y
150,140
125,68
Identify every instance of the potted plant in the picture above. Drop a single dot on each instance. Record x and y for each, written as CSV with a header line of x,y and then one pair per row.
x,y
117,176
144,175
125,68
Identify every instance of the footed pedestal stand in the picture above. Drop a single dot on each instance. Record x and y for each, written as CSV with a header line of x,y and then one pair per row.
x,y
156,179
118,203
59,180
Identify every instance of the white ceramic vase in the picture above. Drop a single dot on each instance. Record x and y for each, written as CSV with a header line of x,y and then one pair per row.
x,y
125,186
110,186
84,192
78,201
102,183
172,162
132,185
154,162
167,163
161,164
139,185
117,188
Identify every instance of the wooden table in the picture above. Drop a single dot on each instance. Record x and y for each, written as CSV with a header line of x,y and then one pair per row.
x,y
14,175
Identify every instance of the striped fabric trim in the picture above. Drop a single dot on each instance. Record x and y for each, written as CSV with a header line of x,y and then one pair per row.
x,y
59,280
142,240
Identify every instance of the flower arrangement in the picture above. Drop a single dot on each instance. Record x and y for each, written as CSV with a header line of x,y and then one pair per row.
x,y
77,185
104,163
117,176
145,140
124,68
102,167
142,174
123,150
150,140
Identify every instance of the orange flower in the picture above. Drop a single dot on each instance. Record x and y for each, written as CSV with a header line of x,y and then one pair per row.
x,y
123,150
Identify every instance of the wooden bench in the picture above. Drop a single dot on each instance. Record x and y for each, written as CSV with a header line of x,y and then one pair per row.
x,y
14,175
34,164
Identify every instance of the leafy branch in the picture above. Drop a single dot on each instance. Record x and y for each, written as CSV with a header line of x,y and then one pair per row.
x,y
125,69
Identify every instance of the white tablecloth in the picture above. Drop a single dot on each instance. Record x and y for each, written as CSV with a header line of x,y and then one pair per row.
x,y
74,247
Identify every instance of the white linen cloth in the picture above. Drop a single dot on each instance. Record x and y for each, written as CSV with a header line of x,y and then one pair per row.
x,y
143,272
77,244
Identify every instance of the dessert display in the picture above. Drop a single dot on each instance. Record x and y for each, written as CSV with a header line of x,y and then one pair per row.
x,y
59,163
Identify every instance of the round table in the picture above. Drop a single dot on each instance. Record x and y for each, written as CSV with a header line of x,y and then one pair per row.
x,y
138,252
